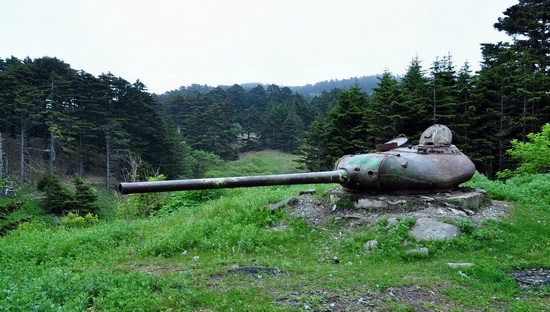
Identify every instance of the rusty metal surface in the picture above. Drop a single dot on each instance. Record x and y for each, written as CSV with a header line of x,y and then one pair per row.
x,y
408,170
386,146
436,135
434,165
395,143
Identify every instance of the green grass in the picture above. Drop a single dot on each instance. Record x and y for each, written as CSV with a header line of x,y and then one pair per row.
x,y
257,163
187,258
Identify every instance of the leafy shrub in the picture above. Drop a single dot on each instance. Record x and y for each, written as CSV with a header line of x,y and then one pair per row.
x,y
142,205
72,220
533,156
202,161
184,200
32,225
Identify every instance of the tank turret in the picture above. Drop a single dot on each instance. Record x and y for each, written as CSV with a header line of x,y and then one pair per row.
x,y
434,165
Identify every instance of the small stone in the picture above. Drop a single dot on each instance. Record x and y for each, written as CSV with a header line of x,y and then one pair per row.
x,y
392,221
422,251
396,204
196,258
370,246
457,212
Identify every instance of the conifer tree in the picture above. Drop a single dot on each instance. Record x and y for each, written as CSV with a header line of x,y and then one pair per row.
x,y
84,198
313,151
384,110
348,128
416,100
292,131
444,92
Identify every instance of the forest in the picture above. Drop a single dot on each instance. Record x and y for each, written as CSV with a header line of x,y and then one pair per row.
x,y
68,122
85,247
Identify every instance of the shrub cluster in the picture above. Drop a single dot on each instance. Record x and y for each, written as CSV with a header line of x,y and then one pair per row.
x,y
59,200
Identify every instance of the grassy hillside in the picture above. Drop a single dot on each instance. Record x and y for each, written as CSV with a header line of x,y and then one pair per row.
x,y
257,163
223,250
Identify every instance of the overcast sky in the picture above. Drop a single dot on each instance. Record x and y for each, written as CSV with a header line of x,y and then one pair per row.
x,y
171,43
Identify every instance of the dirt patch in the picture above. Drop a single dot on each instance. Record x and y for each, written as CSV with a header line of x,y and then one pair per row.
x,y
532,277
414,297
255,271
322,300
421,298
314,210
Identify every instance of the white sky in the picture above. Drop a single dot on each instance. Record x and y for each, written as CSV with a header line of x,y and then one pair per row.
x,y
170,43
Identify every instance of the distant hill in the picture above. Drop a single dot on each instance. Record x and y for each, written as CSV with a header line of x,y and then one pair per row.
x,y
367,83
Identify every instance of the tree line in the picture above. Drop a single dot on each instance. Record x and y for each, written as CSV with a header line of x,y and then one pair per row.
x,y
82,122
86,122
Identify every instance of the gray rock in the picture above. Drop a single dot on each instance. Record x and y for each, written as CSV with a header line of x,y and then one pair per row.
x,y
429,229
370,246
392,221
422,251
472,199
365,203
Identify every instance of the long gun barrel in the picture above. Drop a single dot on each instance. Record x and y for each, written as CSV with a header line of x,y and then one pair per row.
x,y
336,176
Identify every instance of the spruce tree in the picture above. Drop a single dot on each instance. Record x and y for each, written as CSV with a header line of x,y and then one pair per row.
x,y
384,112
348,128
445,106
313,151
416,100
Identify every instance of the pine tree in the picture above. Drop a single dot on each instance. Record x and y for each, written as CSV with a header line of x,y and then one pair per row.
x,y
84,198
416,99
384,110
313,151
57,199
292,131
444,91
323,103
496,108
348,128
